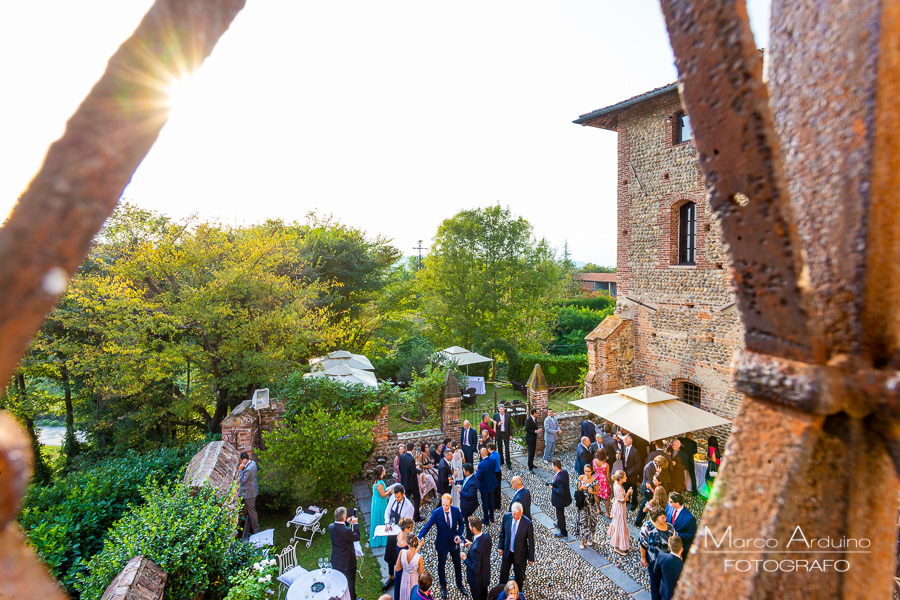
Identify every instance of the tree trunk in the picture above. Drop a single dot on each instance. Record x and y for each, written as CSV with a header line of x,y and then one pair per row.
x,y
70,445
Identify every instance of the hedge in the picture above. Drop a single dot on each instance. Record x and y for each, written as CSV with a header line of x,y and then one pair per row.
x,y
596,303
559,370
66,522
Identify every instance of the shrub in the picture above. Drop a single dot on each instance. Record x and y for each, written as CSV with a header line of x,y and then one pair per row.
x,y
189,535
572,325
559,370
315,454
256,582
66,522
602,302
358,401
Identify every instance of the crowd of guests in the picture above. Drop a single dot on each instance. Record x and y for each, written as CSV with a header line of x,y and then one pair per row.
x,y
613,471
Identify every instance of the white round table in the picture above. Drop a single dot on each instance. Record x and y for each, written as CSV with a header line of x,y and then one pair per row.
x,y
339,586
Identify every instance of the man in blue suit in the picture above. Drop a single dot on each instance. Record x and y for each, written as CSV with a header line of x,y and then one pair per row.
x,y
681,519
468,497
468,439
667,568
447,520
522,496
516,544
486,476
478,560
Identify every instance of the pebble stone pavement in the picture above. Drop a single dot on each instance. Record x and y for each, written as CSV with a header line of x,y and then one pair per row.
x,y
561,568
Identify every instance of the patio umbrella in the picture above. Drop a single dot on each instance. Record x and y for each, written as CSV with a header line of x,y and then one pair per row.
x,y
461,357
649,413
347,375
341,357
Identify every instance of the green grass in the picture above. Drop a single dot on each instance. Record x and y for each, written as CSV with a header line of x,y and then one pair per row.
x,y
368,586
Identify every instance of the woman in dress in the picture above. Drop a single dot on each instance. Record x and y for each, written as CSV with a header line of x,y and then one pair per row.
x,y
379,504
409,565
619,537
715,459
456,463
427,474
659,500
604,483
406,527
487,424
587,514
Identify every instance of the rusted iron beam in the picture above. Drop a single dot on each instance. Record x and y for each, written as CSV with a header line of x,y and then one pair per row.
x,y
819,227
721,86
85,171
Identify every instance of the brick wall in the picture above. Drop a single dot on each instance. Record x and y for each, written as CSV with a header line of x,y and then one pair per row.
x,y
570,423
684,324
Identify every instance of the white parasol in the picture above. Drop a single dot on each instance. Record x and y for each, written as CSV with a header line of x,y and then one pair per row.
x,y
649,413
338,358
347,375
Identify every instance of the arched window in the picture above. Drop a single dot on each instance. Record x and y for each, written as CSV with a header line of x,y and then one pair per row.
x,y
689,393
687,233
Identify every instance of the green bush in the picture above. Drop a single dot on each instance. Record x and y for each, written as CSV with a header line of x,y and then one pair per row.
x,y
66,522
256,582
559,370
572,325
313,455
188,535
359,401
596,303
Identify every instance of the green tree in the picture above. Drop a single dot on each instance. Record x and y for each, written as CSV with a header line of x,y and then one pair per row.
x,y
487,277
592,268
181,321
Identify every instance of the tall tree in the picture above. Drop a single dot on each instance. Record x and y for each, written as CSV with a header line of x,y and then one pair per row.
x,y
487,277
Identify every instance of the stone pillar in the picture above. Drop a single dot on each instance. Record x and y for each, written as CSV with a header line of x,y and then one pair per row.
x,y
241,427
610,356
539,398
268,419
451,419
381,429
140,579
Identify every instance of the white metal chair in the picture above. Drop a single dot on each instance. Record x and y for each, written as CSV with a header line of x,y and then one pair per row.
x,y
288,570
360,556
308,522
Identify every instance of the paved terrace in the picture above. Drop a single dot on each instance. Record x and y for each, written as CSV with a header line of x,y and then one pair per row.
x,y
561,568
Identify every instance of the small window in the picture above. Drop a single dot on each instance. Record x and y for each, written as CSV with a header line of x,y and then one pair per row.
x,y
689,393
683,132
687,233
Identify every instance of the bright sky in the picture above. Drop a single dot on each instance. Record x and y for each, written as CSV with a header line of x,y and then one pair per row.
x,y
392,116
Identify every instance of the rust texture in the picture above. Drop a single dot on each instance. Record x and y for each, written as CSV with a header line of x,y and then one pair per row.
x,y
85,171
50,230
814,243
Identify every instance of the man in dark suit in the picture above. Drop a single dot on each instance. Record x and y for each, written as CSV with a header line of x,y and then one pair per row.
x,y
409,478
504,430
667,568
583,455
516,545
468,439
343,533
498,473
589,431
608,443
447,520
688,450
531,431
486,478
681,519
478,560
468,497
632,468
522,496
445,473
560,496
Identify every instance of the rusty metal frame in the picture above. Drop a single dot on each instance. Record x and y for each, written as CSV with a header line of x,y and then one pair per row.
x,y
76,189
813,235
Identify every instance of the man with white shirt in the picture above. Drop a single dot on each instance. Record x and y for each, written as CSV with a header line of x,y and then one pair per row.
x,y
447,521
468,496
478,560
632,469
504,430
398,507
551,430
468,439
516,544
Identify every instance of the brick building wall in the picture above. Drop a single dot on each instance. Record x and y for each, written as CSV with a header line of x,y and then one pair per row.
x,y
684,323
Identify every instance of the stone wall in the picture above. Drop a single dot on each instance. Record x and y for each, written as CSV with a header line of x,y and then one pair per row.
x,y
244,427
140,579
684,323
570,423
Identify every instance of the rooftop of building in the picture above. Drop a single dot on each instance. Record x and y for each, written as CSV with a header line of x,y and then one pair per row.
x,y
608,118
601,277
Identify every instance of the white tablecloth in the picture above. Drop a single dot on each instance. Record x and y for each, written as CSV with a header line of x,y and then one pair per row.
x,y
339,586
700,469
477,383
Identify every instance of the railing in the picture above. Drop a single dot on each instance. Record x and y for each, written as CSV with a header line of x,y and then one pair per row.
x,y
561,396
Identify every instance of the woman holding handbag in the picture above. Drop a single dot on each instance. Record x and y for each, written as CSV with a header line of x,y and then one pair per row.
x,y
714,458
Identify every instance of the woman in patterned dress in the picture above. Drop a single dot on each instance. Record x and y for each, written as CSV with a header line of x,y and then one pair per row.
x,y
604,483
619,537
587,514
